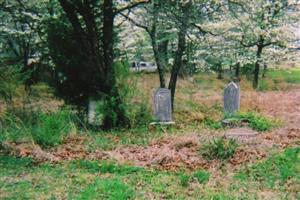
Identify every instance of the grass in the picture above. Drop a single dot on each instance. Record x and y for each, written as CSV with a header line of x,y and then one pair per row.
x,y
279,169
45,129
280,172
184,179
279,79
255,120
288,75
219,148
21,178
201,176
108,189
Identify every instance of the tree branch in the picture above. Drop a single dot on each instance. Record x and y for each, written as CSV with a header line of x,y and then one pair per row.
x,y
135,23
131,6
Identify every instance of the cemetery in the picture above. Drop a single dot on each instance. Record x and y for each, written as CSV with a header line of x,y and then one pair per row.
x,y
149,100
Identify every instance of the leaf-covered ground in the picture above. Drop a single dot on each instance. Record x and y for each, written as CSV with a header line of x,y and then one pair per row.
x,y
165,162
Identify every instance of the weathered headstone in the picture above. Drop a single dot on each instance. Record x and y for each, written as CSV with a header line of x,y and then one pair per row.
x,y
92,112
232,98
163,106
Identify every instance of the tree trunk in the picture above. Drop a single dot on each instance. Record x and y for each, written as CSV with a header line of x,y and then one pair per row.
x,y
265,70
159,63
98,55
220,71
177,63
237,71
110,89
257,66
157,48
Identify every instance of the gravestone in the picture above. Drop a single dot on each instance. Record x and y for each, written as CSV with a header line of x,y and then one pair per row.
x,y
92,112
163,105
232,98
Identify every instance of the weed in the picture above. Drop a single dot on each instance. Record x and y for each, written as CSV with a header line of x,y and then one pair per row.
x,y
279,168
109,189
52,128
106,167
258,122
202,176
212,124
184,179
219,148
12,163
255,121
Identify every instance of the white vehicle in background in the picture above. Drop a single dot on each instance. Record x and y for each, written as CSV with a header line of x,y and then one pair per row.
x,y
143,66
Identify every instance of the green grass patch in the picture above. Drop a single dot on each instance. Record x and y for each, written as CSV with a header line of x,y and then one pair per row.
x,y
51,128
202,176
256,121
12,163
184,179
105,167
45,129
277,169
212,124
219,148
288,75
108,189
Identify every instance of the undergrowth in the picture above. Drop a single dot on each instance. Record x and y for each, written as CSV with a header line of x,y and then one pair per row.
x,y
278,169
256,121
219,148
45,129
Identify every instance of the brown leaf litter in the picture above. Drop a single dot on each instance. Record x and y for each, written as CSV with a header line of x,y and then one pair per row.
x,y
176,152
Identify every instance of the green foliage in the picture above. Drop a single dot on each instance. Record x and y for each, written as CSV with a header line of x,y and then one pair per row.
x,y
212,124
136,111
90,180
184,179
11,78
51,128
46,129
13,163
256,121
219,148
289,75
106,167
18,125
73,80
109,189
202,176
277,169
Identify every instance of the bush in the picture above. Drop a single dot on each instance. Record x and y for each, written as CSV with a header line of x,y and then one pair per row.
x,y
136,111
45,129
18,125
219,148
51,128
11,78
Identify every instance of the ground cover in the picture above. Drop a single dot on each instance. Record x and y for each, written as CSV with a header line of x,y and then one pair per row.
x,y
157,162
